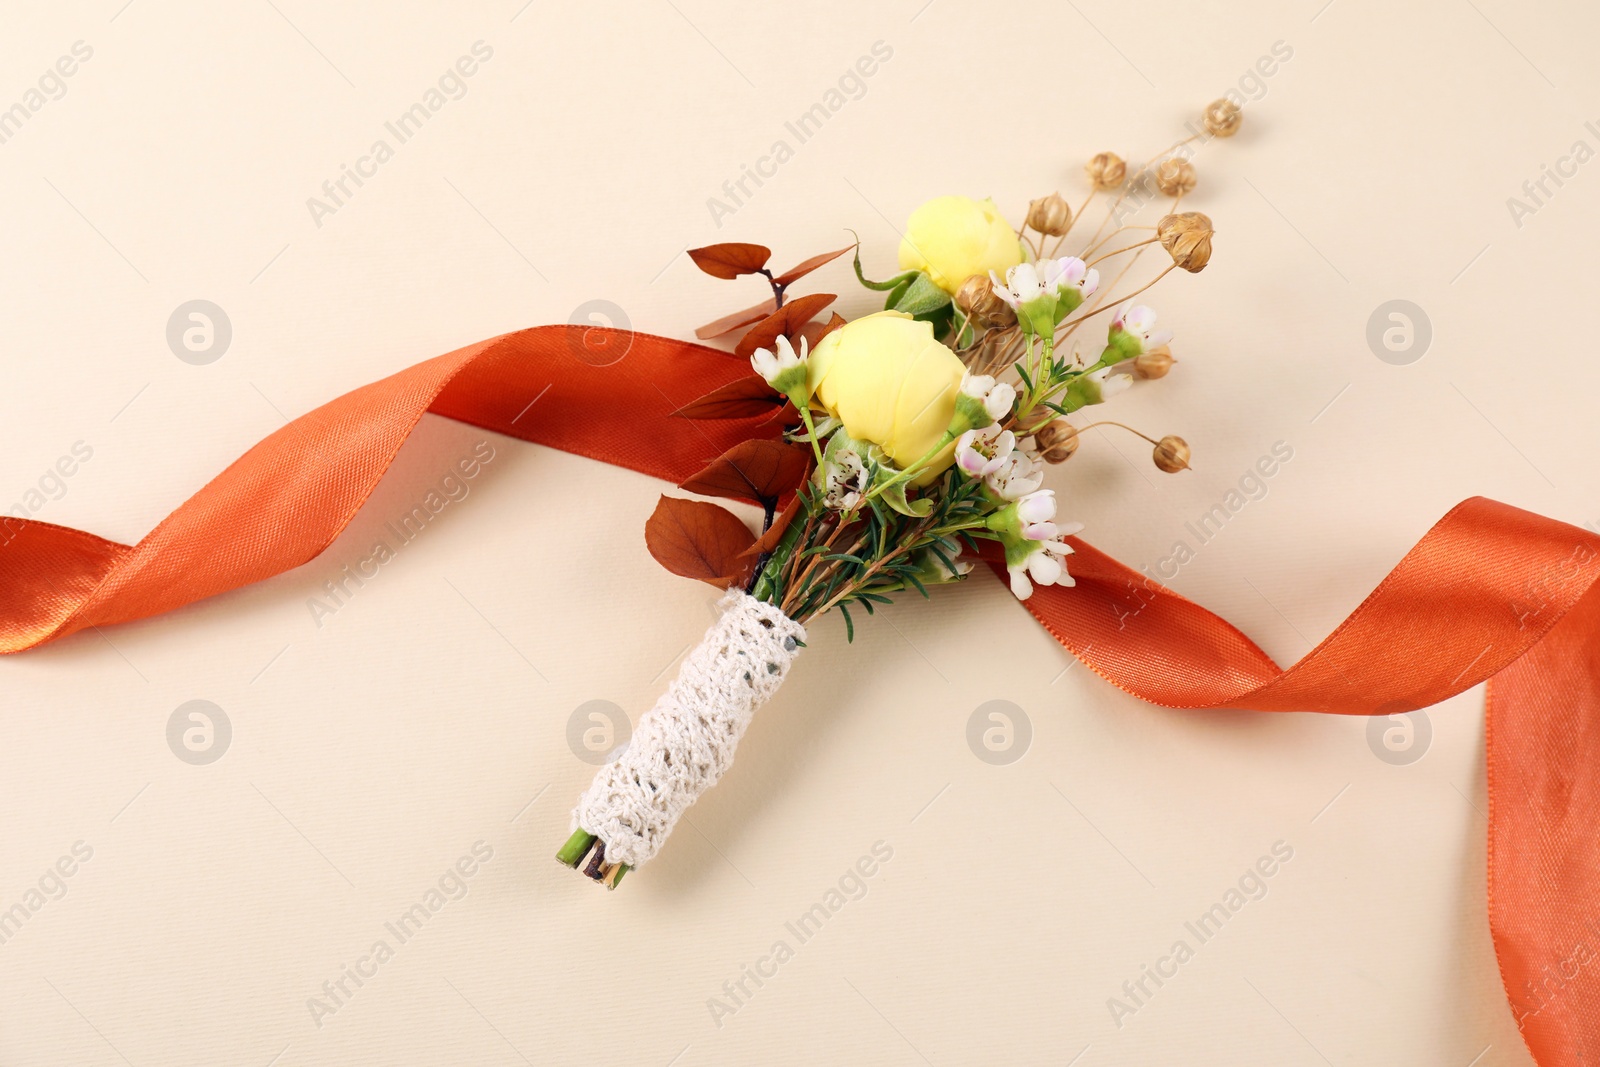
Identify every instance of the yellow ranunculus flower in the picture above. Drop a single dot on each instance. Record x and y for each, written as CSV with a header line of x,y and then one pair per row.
x,y
890,382
955,237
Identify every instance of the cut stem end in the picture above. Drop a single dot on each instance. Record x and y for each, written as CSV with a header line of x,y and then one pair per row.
x,y
586,853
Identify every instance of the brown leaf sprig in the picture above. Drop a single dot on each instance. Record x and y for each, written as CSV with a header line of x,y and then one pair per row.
x,y
786,322
741,398
696,539
761,472
729,261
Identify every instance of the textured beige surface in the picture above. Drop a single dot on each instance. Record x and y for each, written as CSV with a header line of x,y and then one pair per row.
x,y
1007,904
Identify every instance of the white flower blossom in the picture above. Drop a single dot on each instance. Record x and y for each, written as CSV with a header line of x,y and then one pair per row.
x,y
1133,333
1037,513
979,453
1044,293
996,397
784,369
1018,476
1071,280
1045,565
844,479
1111,384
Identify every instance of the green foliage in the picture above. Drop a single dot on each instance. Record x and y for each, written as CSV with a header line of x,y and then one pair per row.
x,y
878,551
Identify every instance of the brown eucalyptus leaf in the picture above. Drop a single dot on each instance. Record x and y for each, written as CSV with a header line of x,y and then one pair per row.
x,y
786,321
729,323
761,471
816,331
730,260
698,540
800,270
741,398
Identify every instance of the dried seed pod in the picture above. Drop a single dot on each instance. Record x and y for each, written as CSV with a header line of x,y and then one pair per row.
x,y
978,300
1172,454
1187,239
1050,216
1175,176
988,356
1056,440
1222,118
1106,170
1153,364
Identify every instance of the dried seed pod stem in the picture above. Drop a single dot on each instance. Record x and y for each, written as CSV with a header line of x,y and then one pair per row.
x,y
1118,252
1120,426
1101,242
1121,299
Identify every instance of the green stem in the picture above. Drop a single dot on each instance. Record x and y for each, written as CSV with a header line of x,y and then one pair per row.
x,y
804,407
1046,350
766,589
911,471
576,848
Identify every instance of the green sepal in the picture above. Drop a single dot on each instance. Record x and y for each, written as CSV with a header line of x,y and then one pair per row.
x,y
883,473
919,298
1120,346
942,319
895,497
1068,300
1080,393
1038,316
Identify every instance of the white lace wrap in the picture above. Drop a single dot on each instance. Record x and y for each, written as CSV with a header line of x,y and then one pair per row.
x,y
685,743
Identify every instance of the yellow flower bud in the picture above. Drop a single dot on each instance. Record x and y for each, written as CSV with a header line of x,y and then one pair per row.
x,y
1050,216
955,237
1106,171
1175,176
1187,239
891,383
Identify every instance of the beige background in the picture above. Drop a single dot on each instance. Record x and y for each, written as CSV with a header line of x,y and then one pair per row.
x,y
431,711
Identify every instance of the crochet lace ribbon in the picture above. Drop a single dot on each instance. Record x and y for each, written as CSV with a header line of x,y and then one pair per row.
x,y
685,744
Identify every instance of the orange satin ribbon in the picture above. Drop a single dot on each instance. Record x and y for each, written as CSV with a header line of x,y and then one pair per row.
x,y
1491,592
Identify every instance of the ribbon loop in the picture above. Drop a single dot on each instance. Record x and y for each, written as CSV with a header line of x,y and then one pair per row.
x,y
1490,592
